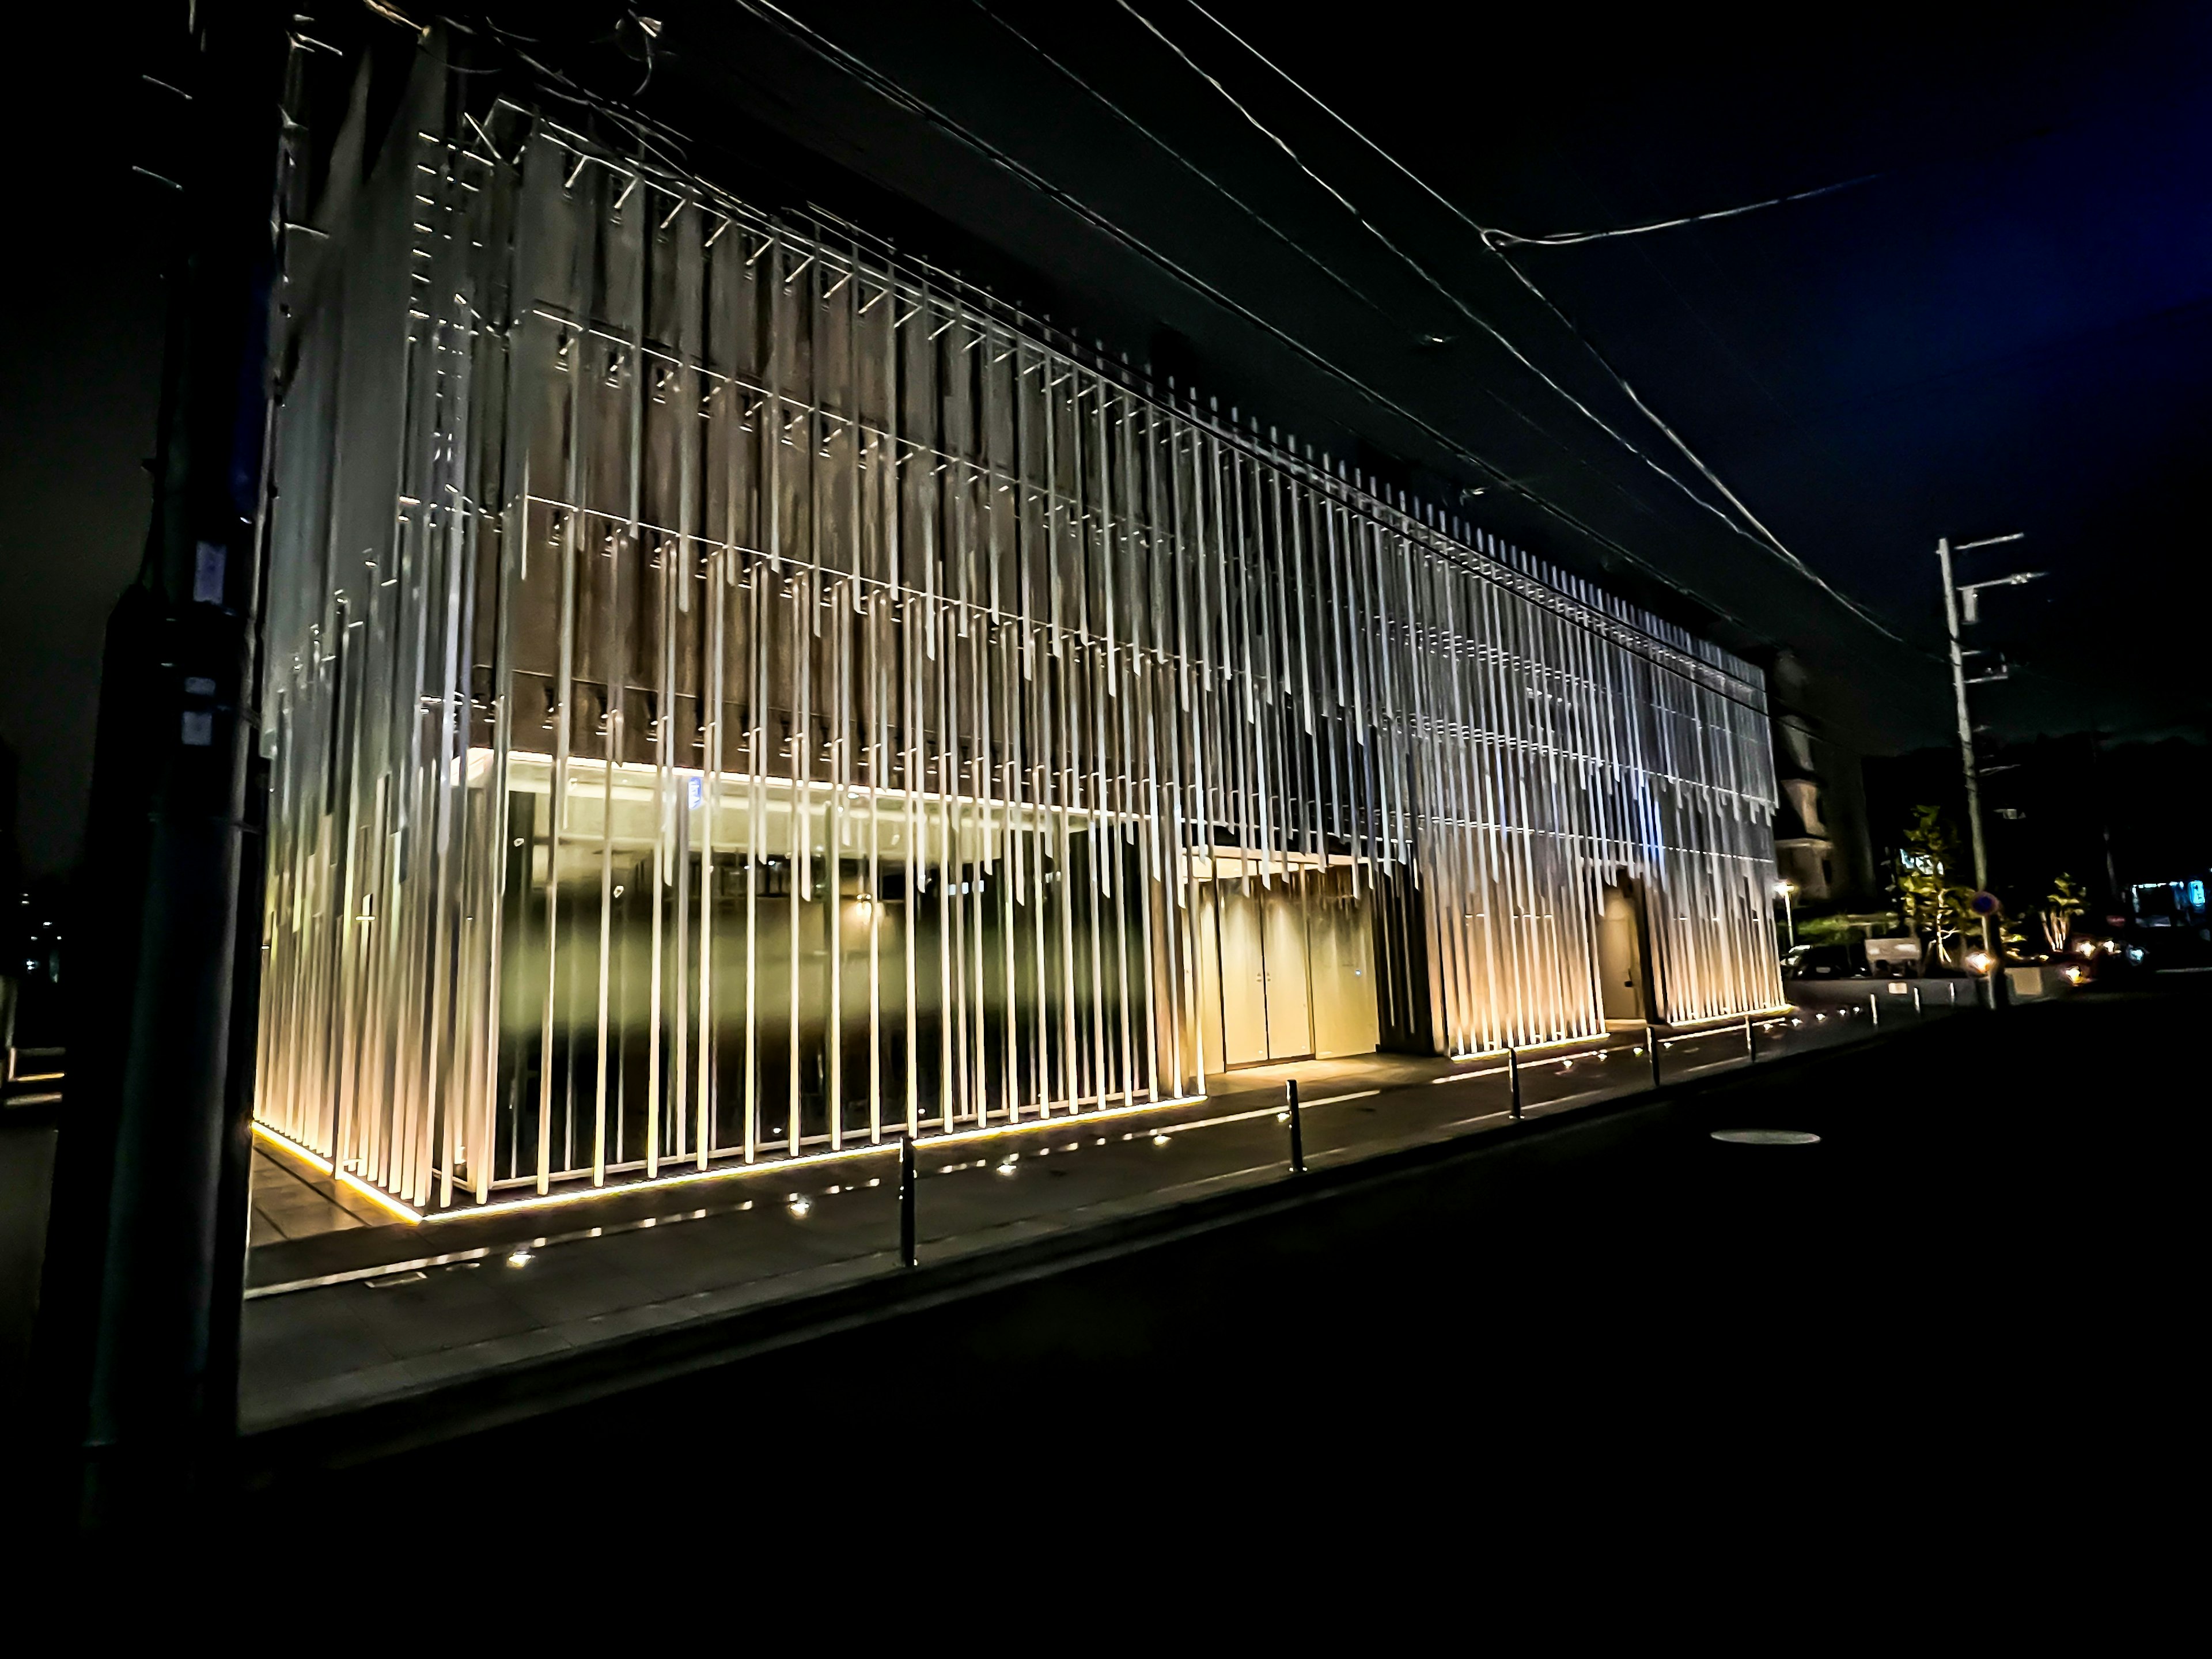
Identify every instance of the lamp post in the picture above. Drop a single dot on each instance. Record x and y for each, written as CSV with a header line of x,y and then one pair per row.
x,y
1787,891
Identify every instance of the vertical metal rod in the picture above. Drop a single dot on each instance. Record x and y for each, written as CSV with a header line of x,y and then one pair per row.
x,y
1652,1052
1495,738
1513,1079
1297,1127
908,1253
1750,1048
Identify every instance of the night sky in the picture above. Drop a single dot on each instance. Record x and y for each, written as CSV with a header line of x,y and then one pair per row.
x,y
2006,327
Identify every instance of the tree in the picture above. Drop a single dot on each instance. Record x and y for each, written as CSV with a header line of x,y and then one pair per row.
x,y
2066,900
1931,904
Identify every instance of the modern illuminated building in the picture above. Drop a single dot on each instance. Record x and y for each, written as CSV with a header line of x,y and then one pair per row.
x,y
732,690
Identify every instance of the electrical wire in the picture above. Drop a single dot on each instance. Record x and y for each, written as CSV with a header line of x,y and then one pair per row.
x,y
1571,237
1188,165
1765,538
1412,265
891,92
1288,241
649,139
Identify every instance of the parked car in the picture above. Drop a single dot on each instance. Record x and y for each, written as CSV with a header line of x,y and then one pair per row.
x,y
1824,961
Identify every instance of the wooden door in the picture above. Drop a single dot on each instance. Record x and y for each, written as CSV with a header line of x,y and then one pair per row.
x,y
1289,1026
1243,976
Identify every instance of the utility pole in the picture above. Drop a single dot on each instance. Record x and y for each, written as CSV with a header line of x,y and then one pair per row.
x,y
1962,605
145,1261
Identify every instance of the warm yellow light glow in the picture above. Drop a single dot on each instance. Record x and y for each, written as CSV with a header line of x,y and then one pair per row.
x,y
1526,1049
287,1144
1979,960
714,1172
406,1212
376,1195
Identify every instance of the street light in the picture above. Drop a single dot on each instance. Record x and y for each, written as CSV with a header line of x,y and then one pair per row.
x,y
1788,890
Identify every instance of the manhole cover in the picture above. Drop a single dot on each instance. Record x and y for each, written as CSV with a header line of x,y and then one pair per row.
x,y
1768,1137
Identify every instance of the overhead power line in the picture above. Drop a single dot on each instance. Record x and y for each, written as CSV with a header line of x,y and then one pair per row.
x,y
1229,196
1569,238
1466,311
1186,164
1764,537
893,93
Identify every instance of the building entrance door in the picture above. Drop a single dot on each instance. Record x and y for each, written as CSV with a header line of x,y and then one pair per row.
x,y
1243,976
1266,1012
1624,968
1284,970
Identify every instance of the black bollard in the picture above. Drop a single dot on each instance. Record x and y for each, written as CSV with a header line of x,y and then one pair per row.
x,y
1297,1128
1513,1079
909,1256
1651,1051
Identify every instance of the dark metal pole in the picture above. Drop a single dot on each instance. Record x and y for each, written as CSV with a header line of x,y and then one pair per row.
x,y
1651,1051
1750,1048
1513,1079
1297,1128
137,1342
908,1256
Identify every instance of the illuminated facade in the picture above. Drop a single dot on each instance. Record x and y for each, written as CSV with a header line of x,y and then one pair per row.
x,y
733,691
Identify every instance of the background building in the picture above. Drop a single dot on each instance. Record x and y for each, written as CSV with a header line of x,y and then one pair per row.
x,y
1820,842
